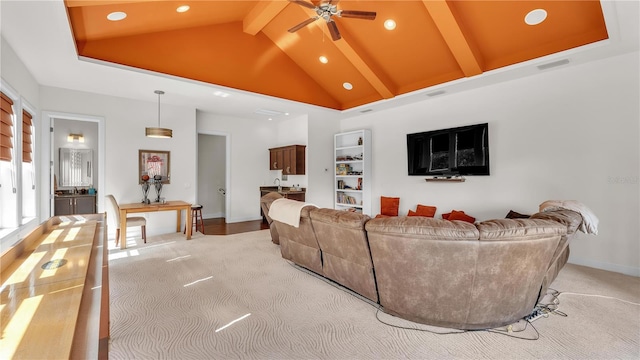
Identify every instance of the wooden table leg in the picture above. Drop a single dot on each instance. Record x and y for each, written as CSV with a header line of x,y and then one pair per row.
x,y
178,220
189,222
123,229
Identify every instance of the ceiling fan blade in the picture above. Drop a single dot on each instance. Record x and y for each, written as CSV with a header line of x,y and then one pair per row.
x,y
303,24
333,2
304,3
367,15
333,29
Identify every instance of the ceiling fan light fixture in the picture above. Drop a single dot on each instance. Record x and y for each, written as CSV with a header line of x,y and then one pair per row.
x,y
535,17
158,132
323,59
117,16
390,24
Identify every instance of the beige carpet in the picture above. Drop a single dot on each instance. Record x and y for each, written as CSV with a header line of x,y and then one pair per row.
x,y
228,297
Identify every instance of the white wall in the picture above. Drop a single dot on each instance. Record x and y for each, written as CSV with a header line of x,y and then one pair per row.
x,y
570,133
249,140
125,120
211,175
320,161
291,132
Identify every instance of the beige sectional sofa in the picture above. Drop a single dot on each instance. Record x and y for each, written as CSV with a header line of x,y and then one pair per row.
x,y
438,272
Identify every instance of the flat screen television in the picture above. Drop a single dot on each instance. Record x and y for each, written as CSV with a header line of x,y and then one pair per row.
x,y
449,152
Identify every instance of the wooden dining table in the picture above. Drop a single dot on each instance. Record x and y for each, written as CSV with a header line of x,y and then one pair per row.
x,y
176,205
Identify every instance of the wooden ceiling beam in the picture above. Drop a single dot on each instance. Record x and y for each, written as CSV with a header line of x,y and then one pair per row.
x,y
261,14
383,87
462,48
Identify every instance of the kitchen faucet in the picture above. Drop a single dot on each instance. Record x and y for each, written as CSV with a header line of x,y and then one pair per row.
x,y
279,187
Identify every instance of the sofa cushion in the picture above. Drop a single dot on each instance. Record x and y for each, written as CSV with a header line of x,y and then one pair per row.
x,y
425,210
518,229
569,218
516,215
427,228
460,215
389,205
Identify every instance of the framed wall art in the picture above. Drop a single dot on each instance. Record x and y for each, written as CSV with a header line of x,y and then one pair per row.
x,y
155,164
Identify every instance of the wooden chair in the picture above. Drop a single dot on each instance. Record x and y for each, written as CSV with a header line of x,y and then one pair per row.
x,y
114,212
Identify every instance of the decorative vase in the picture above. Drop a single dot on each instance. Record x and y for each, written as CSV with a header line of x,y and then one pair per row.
x,y
145,192
158,186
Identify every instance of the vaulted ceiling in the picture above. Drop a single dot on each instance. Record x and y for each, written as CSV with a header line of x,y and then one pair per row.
x,y
245,45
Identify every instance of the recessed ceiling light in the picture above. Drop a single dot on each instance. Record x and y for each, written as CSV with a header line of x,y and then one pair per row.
x,y
221,94
286,114
183,8
268,112
323,59
347,85
117,16
535,17
389,24
270,119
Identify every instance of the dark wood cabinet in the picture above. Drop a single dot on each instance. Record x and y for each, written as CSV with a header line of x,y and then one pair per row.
x,y
290,159
70,205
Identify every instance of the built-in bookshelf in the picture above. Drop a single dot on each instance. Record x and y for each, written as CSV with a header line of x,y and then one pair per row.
x,y
352,183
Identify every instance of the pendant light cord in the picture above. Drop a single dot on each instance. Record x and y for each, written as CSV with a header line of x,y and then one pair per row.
x,y
159,92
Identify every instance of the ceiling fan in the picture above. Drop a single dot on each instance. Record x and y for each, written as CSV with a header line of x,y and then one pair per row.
x,y
326,10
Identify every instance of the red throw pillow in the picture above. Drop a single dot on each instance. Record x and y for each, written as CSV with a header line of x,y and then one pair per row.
x,y
446,216
380,216
389,205
412,213
460,215
424,210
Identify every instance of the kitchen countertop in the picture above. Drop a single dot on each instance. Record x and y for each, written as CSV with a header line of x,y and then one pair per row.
x,y
285,190
73,195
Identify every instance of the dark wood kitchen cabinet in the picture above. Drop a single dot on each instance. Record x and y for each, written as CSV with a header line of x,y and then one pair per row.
x,y
70,205
290,159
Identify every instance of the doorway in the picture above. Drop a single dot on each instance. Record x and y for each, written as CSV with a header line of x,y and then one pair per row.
x,y
213,174
58,135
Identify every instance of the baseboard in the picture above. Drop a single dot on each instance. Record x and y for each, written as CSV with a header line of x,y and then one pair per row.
x,y
213,215
627,270
235,220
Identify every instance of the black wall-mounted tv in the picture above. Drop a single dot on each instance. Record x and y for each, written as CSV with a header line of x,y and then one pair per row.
x,y
449,152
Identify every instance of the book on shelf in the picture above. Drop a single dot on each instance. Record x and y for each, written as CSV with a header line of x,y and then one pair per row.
x,y
343,169
343,198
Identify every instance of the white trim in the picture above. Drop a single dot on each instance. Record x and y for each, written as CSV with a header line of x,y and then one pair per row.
x,y
213,216
623,269
48,153
227,170
235,220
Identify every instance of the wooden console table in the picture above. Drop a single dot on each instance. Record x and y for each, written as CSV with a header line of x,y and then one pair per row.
x,y
178,206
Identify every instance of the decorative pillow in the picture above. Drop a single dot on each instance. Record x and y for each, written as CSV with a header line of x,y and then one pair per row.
x,y
446,216
516,215
412,213
460,215
379,216
389,205
424,210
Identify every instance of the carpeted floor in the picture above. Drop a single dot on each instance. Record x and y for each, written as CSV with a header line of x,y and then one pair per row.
x,y
228,297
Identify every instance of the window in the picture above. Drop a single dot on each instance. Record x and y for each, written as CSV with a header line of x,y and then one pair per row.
x,y
8,187
28,171
18,167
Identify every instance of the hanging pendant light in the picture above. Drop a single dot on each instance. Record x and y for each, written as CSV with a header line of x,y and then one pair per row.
x,y
158,132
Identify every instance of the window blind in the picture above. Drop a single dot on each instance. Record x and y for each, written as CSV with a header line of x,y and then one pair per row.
x,y
6,127
27,127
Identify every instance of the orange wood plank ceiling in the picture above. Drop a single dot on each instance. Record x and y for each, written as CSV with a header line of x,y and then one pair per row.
x,y
245,44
